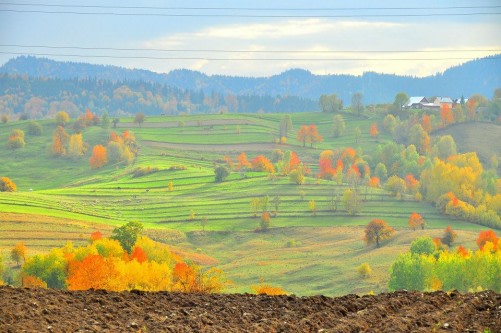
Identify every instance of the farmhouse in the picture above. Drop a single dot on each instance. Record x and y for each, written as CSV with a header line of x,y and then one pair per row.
x,y
420,103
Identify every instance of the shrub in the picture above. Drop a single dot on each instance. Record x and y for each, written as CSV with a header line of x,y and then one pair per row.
x,y
364,270
143,171
35,129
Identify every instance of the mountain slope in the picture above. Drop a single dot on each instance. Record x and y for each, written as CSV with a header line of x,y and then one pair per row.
x,y
476,76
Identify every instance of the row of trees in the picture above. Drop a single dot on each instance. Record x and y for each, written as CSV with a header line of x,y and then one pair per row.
x,y
430,266
125,261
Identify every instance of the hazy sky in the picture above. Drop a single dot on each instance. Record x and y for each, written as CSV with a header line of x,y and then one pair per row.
x,y
191,34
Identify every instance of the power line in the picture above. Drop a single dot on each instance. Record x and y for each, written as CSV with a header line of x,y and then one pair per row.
x,y
246,51
248,15
250,8
240,59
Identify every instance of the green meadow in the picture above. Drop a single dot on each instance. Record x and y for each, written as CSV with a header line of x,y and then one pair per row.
x,y
60,200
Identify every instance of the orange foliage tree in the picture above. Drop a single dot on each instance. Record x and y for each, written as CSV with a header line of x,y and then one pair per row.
x,y
94,272
309,134
374,132
243,163
19,252
261,163
59,141
376,231
99,157
426,123
416,221
446,115
487,236
7,185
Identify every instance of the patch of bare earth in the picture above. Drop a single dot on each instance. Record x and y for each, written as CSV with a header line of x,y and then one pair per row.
x,y
40,310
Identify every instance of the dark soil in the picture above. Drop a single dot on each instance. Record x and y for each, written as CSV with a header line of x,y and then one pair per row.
x,y
42,310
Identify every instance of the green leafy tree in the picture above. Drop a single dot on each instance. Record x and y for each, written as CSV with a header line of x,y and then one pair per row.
x,y
115,122
423,245
356,103
35,129
338,125
4,118
400,100
127,235
410,272
221,173
352,201
105,120
51,268
330,103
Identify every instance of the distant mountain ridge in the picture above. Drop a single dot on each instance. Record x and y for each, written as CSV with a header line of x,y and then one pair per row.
x,y
477,76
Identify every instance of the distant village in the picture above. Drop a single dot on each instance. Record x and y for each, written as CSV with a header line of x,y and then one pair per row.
x,y
435,104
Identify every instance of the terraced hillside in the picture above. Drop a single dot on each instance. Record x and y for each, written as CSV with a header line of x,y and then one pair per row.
x,y
61,199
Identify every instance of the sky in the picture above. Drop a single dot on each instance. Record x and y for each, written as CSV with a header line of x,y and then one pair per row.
x,y
255,38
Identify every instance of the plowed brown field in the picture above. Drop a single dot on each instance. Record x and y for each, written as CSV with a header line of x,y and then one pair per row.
x,y
39,310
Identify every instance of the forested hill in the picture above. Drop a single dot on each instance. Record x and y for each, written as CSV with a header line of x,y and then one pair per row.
x,y
477,76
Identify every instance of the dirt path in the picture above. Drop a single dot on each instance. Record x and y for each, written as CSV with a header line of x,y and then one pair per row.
x,y
39,310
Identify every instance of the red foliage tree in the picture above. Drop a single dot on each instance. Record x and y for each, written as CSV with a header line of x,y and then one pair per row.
x,y
139,254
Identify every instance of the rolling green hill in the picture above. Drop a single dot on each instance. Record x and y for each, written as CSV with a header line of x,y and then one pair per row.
x,y
60,199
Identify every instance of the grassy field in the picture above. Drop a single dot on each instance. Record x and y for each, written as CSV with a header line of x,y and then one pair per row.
x,y
61,200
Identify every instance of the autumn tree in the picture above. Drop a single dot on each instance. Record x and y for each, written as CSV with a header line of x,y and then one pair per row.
x,y
139,118
19,253
445,147
60,141
449,236
127,234
266,289
4,118
396,186
416,221
16,139
377,231
446,115
99,157
51,268
313,207
76,147
62,118
261,163
374,132
426,123
93,272
265,221
487,236
7,185
338,125
309,134
243,163
255,203
356,103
